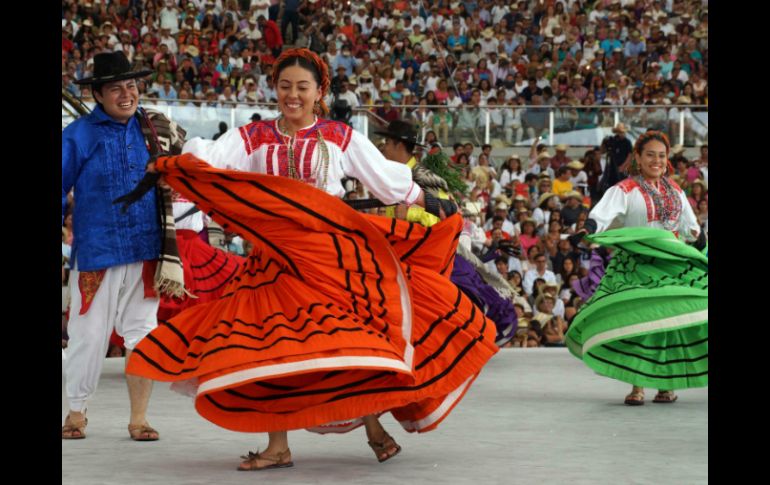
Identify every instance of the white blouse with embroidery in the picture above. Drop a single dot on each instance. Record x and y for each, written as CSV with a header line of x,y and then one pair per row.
x,y
261,147
627,205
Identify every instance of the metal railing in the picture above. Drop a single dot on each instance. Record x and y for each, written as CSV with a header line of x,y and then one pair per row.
x,y
498,125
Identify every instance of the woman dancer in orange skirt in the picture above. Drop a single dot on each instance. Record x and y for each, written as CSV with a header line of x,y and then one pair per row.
x,y
335,314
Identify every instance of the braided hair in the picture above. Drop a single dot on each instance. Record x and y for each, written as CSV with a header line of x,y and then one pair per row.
x,y
642,141
309,60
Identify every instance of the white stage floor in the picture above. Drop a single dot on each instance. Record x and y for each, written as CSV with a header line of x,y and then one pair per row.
x,y
533,416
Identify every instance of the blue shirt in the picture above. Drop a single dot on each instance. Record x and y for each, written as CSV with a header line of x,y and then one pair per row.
x,y
633,49
608,45
103,159
349,63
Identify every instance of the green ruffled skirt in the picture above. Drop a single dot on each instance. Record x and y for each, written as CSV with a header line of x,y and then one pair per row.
x,y
647,322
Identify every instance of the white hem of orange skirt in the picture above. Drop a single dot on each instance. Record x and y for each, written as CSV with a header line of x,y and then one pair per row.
x,y
277,370
449,401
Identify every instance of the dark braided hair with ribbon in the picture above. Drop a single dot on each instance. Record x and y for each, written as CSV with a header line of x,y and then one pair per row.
x,y
313,63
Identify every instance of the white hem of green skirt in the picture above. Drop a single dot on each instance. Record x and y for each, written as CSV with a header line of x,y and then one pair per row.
x,y
646,327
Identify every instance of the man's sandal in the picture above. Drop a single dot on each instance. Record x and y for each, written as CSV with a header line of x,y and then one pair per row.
x,y
665,397
635,398
142,432
383,446
251,463
74,430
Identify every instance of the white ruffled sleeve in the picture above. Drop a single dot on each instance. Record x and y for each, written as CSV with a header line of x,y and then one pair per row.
x,y
226,152
688,222
391,182
613,205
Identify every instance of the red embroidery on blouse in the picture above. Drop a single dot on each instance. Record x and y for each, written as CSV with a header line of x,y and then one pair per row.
x,y
269,160
628,185
259,133
333,132
283,160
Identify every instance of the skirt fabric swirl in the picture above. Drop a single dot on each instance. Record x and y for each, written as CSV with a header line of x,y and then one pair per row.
x,y
206,272
647,321
333,316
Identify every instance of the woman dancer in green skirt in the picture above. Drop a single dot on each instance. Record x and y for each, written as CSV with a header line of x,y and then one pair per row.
x,y
647,321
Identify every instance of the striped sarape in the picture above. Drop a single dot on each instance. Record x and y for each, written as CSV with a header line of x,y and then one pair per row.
x,y
334,315
647,321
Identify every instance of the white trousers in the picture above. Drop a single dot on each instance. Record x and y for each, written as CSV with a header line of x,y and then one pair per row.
x,y
119,304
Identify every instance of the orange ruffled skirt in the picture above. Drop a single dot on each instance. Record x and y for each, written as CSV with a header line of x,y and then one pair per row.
x,y
333,316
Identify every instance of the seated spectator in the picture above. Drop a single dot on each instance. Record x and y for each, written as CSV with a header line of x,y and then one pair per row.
x,y
562,185
529,240
573,208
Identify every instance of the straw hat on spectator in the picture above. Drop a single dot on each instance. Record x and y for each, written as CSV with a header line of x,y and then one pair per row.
x,y
543,155
504,199
88,23
192,50
353,81
620,128
488,33
562,147
544,197
700,182
501,206
552,285
576,165
677,149
683,100
543,296
574,194
528,220
519,198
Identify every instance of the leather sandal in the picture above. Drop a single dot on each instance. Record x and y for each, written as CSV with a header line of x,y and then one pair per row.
x,y
251,463
665,397
383,446
142,432
635,398
74,430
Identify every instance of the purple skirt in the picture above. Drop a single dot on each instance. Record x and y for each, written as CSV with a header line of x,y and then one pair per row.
x,y
585,286
496,308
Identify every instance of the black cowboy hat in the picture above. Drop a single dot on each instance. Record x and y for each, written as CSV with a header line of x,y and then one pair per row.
x,y
401,130
112,66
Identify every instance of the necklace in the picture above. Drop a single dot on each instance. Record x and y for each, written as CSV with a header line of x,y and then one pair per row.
x,y
290,145
668,205
320,174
